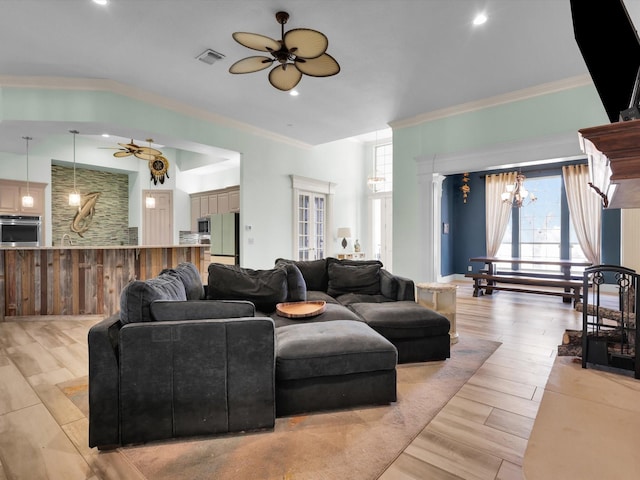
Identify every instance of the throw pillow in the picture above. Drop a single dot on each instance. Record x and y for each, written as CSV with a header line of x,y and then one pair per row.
x,y
314,272
264,288
353,278
138,295
296,286
190,277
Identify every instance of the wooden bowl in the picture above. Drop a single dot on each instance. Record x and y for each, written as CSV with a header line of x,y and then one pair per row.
x,y
301,309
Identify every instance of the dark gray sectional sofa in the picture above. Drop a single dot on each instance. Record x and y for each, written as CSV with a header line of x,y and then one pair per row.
x,y
181,359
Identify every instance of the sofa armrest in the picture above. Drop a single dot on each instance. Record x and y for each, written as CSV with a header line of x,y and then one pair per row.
x,y
163,310
406,289
104,382
396,287
195,377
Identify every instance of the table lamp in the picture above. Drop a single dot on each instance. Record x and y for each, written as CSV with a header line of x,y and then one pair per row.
x,y
344,232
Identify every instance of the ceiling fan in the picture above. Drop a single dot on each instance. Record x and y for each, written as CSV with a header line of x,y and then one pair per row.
x,y
143,153
300,51
158,164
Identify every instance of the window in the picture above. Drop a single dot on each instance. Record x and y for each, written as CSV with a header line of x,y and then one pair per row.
x,y
382,168
542,229
380,204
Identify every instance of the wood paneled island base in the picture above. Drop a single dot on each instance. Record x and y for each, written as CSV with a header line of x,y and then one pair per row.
x,y
82,280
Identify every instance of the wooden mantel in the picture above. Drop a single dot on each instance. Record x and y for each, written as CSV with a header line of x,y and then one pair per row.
x,y
620,143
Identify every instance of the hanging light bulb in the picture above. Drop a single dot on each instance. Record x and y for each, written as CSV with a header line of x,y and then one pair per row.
x,y
516,194
27,200
74,197
150,201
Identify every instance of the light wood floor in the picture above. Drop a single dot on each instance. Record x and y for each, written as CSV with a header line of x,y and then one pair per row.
x,y
480,434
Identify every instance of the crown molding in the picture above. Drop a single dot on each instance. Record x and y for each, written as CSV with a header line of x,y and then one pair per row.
x,y
93,84
518,95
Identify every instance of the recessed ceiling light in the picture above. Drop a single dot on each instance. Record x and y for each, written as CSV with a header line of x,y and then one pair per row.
x,y
106,135
100,2
480,19
294,93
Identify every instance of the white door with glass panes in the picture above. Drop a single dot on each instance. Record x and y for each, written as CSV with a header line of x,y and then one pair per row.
x,y
311,222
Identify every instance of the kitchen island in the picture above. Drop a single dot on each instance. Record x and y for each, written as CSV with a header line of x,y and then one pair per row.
x,y
82,280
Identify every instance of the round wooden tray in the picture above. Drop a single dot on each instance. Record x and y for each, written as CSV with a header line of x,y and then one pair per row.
x,y
301,309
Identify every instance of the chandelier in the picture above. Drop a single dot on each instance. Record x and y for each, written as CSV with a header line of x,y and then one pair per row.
x,y
516,194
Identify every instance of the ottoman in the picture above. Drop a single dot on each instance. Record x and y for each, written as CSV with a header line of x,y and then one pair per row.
x,y
332,365
419,333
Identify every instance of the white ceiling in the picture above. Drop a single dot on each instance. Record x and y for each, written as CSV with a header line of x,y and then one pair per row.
x,y
399,58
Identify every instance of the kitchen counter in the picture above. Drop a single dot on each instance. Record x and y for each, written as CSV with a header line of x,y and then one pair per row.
x,y
83,280
110,247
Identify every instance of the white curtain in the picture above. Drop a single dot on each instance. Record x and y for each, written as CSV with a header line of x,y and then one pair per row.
x,y
585,208
497,211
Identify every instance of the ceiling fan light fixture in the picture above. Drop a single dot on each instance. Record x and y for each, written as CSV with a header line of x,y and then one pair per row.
x,y
300,51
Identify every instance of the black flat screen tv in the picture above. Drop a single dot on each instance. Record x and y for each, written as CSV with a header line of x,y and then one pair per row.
x,y
610,47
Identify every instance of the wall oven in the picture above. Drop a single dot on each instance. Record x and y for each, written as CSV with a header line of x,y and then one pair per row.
x,y
204,225
20,231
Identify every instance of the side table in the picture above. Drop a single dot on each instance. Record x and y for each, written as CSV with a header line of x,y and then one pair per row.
x,y
440,297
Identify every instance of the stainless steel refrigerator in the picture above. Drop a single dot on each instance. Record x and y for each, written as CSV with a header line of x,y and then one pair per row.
x,y
225,238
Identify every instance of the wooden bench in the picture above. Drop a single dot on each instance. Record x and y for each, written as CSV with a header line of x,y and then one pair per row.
x,y
489,278
486,283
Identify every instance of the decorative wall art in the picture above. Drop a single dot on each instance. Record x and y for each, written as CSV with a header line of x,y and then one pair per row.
x,y
158,164
465,188
84,216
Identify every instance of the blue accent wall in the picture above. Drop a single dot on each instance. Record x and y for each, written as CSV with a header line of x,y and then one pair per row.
x,y
467,222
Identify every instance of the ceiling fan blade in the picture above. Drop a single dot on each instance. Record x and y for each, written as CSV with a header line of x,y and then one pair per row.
x,y
305,43
122,154
251,64
129,146
323,66
255,41
285,77
145,156
150,151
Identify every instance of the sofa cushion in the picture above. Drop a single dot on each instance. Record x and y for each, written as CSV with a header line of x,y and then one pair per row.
x,y
353,277
165,310
314,272
341,347
402,319
264,288
190,277
138,295
349,298
332,311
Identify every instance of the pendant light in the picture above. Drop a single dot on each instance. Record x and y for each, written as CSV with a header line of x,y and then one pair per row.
x,y
74,197
27,200
150,201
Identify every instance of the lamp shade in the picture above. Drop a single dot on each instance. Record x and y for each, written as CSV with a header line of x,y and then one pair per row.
x,y
344,232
